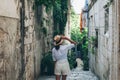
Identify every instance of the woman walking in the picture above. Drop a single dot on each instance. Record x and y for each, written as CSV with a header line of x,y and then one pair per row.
x,y
59,54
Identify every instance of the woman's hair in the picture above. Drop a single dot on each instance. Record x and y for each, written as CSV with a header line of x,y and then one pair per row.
x,y
57,47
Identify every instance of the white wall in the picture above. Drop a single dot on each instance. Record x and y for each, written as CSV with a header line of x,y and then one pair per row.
x,y
100,61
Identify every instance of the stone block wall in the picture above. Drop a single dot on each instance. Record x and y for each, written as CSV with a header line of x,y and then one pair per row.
x,y
119,40
10,57
29,54
9,48
22,41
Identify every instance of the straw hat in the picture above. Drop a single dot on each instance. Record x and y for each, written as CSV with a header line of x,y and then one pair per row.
x,y
58,40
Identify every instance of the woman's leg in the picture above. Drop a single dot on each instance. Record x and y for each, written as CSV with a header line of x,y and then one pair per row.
x,y
64,77
57,77
65,70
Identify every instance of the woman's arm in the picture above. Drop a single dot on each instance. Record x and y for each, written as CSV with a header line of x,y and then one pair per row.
x,y
71,41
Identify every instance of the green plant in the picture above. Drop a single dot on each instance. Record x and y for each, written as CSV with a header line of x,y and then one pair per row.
x,y
47,3
93,44
81,38
60,9
47,63
72,59
82,46
44,30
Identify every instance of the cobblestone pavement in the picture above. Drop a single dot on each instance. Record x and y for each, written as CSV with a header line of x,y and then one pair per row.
x,y
47,78
76,74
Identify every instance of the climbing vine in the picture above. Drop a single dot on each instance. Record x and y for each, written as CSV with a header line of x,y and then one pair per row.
x,y
60,16
47,3
60,8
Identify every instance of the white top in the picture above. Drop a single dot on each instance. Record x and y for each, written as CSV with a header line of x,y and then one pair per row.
x,y
62,52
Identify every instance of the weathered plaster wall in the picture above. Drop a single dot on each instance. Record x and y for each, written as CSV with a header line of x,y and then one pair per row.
x,y
9,52
9,10
10,64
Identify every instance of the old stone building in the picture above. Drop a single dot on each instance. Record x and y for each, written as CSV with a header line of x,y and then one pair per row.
x,y
104,27
26,32
23,39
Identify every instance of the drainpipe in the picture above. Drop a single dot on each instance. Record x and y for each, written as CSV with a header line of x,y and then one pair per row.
x,y
22,33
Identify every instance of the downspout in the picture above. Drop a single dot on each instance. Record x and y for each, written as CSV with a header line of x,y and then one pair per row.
x,y
22,33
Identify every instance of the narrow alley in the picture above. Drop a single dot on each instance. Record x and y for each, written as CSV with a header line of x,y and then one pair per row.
x,y
27,38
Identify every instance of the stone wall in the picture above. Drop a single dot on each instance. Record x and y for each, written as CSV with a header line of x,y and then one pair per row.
x,y
9,52
104,61
23,39
30,59
10,57
44,29
119,40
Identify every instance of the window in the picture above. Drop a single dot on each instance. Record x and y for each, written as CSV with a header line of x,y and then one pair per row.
x,y
106,20
96,40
